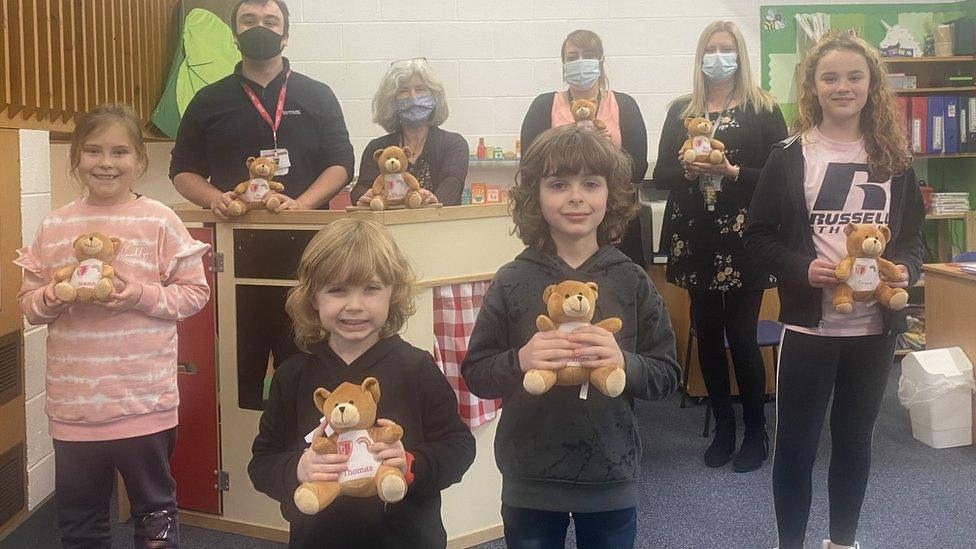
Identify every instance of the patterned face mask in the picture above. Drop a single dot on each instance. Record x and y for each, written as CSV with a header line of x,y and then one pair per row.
x,y
415,110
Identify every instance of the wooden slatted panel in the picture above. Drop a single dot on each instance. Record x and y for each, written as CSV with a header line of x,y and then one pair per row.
x,y
16,67
60,58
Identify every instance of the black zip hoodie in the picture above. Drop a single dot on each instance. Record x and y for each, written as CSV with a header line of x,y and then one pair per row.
x,y
557,452
779,236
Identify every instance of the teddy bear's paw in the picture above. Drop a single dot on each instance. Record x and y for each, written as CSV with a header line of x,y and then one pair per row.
x,y
236,208
898,300
306,501
615,382
377,204
273,203
65,292
843,308
413,200
689,156
392,488
533,383
103,289
715,157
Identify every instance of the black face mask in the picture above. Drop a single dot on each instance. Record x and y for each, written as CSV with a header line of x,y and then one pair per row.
x,y
259,43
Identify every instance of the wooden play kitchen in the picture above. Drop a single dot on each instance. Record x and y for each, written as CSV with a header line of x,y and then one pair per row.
x,y
445,245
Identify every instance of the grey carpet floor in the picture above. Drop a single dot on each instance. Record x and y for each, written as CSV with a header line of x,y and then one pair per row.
x,y
918,497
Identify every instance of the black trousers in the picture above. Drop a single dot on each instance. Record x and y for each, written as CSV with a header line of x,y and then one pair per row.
x,y
263,326
84,478
855,370
733,315
535,529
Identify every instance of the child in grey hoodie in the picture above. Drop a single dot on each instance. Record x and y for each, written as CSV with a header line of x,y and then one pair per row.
x,y
559,453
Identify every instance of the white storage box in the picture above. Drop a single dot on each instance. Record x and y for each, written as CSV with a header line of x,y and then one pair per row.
x,y
937,388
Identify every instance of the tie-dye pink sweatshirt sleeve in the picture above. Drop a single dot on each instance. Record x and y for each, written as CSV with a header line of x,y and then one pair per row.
x,y
112,374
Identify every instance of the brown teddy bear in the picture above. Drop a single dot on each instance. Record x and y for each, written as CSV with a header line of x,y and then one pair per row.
x,y
93,276
394,185
259,192
700,147
584,113
860,270
351,412
570,305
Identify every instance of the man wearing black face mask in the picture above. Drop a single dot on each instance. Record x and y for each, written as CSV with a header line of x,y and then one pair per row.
x,y
263,108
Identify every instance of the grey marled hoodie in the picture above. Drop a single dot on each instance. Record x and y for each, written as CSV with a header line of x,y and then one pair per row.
x,y
557,452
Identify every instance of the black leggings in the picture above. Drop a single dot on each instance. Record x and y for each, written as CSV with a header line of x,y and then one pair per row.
x,y
734,315
855,370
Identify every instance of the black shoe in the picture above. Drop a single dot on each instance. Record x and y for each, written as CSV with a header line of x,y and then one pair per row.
x,y
754,450
720,451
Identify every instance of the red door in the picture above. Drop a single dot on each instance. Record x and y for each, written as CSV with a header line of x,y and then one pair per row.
x,y
197,454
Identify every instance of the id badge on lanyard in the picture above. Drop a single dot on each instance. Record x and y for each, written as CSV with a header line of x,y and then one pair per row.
x,y
278,154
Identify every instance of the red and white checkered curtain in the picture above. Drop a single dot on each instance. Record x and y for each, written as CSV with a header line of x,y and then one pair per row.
x,y
455,311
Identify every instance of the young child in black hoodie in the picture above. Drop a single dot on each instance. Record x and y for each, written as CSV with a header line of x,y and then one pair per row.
x,y
559,453
354,293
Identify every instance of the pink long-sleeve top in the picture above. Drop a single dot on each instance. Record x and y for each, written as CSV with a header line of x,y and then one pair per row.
x,y
112,374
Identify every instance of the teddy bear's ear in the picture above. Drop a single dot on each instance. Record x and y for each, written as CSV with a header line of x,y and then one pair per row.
x,y
377,154
886,232
116,243
407,152
321,395
594,287
372,386
688,122
250,160
850,228
548,292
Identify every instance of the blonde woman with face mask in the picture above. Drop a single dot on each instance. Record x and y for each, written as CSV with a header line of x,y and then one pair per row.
x,y
585,74
704,238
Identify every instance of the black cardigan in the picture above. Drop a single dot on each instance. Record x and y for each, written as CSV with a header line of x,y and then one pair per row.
x,y
416,395
446,152
778,233
633,133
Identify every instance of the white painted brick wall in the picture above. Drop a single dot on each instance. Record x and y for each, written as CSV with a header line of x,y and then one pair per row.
x,y
35,187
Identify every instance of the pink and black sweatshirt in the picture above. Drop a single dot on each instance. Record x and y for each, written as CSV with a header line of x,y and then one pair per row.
x,y
112,374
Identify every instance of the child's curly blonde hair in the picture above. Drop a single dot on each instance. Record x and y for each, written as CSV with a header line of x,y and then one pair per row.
x,y
349,251
571,150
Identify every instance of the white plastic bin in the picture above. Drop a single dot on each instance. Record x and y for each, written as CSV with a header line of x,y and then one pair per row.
x,y
937,388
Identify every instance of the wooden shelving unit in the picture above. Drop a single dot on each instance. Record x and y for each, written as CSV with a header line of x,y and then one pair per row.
x,y
947,90
932,78
950,59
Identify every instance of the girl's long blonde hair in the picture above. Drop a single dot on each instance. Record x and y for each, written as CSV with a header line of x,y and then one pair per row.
x,y
746,92
349,251
886,145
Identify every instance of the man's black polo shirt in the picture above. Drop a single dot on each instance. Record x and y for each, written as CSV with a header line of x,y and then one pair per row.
x,y
221,128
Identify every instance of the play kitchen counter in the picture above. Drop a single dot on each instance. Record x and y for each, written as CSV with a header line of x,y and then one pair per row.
x,y
462,245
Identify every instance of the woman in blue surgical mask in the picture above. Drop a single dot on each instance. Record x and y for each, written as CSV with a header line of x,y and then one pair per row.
x,y
411,105
585,75
703,224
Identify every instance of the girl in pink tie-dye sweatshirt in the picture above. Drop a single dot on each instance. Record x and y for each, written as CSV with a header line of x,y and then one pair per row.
x,y
111,365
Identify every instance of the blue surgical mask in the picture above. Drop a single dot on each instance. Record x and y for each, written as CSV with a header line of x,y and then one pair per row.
x,y
719,67
581,74
415,110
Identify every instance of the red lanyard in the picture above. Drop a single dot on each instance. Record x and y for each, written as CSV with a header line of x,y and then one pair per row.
x,y
264,113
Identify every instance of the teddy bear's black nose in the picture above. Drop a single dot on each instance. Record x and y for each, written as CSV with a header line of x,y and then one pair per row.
x,y
341,408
